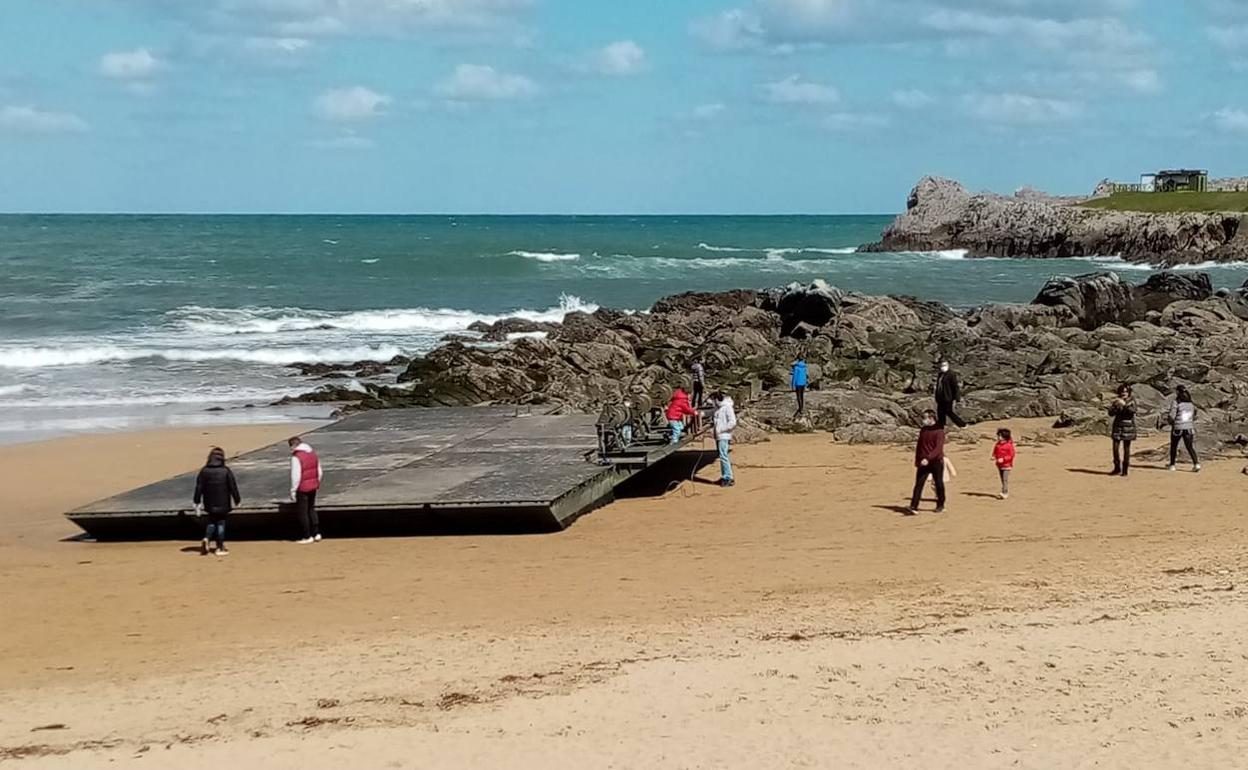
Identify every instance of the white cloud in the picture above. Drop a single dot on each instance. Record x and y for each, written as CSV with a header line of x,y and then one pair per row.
x,y
346,105
138,64
478,82
708,111
623,57
795,90
277,46
1143,81
855,121
29,120
317,18
348,141
1230,37
912,99
1231,120
1020,109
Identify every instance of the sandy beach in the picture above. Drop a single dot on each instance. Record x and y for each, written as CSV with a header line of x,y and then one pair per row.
x,y
796,620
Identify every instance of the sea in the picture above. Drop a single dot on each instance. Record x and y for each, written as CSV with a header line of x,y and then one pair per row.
x,y
128,321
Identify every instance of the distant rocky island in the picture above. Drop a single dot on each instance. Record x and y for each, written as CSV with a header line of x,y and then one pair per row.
x,y
941,214
871,359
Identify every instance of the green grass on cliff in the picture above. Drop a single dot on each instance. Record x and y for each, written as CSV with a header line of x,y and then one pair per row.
x,y
1158,203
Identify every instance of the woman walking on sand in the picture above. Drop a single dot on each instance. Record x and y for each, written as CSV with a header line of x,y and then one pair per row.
x,y
1182,421
216,493
1123,431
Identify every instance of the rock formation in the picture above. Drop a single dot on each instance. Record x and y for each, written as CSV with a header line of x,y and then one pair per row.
x,y
871,359
941,214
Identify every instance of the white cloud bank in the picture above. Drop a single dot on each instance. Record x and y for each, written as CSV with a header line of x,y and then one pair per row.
x,y
353,104
139,64
796,90
618,59
1231,120
1020,109
30,120
479,83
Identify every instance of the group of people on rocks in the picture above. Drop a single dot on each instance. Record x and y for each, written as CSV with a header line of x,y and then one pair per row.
x,y
929,454
682,413
216,494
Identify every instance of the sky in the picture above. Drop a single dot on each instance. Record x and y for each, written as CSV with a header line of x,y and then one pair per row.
x,y
587,106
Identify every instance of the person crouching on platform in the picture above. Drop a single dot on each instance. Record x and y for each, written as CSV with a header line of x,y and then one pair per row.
x,y
216,493
305,480
929,460
677,410
725,423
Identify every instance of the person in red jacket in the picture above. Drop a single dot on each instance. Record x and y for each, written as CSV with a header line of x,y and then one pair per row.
x,y
929,461
1003,455
677,410
305,480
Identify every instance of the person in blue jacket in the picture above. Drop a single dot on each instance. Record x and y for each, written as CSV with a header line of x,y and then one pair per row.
x,y
799,384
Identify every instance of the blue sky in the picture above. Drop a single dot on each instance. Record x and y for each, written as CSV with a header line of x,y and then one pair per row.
x,y
766,106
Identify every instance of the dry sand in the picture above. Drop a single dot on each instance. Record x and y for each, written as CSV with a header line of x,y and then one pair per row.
x,y
796,620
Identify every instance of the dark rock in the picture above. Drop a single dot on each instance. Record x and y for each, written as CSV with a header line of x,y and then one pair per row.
x,y
941,214
1094,299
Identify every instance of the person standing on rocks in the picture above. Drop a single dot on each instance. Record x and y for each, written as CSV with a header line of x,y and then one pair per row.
x,y
677,410
725,423
216,493
305,481
1123,430
929,461
799,379
1182,421
698,372
947,395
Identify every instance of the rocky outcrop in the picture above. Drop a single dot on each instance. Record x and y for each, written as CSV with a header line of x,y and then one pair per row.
x,y
871,359
940,214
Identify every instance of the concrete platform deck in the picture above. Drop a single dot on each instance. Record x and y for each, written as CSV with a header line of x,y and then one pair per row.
x,y
393,471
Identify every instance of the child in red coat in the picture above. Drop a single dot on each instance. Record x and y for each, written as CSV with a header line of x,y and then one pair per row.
x,y
1003,455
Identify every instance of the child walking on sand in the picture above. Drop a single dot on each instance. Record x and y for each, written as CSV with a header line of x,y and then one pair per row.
x,y
1003,455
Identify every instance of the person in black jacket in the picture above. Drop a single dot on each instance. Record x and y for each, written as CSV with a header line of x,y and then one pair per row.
x,y
216,493
947,394
1123,430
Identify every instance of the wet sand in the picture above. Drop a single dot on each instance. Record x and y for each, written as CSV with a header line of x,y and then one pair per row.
x,y
795,620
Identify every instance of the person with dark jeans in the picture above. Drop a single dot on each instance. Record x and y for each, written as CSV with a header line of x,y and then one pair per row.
x,y
947,395
929,461
800,378
1182,421
1123,431
699,383
216,493
305,480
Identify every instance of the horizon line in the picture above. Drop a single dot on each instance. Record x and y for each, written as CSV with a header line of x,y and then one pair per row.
x,y
436,214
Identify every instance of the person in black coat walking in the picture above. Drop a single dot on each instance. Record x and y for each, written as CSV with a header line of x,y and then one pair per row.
x,y
1123,431
216,493
947,394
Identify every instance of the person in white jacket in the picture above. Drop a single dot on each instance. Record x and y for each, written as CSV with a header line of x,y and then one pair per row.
x,y
725,422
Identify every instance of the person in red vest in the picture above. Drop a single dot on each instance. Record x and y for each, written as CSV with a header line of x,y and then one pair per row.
x,y
305,480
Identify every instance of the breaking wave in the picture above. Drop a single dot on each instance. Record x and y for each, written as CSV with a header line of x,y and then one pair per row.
x,y
396,321
545,256
45,357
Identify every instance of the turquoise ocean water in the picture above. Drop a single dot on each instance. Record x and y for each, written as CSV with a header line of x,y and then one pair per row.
x,y
117,321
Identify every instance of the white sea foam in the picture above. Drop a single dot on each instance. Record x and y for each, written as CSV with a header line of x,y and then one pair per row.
x,y
545,256
225,396
370,261
709,247
44,357
14,390
779,252
216,321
